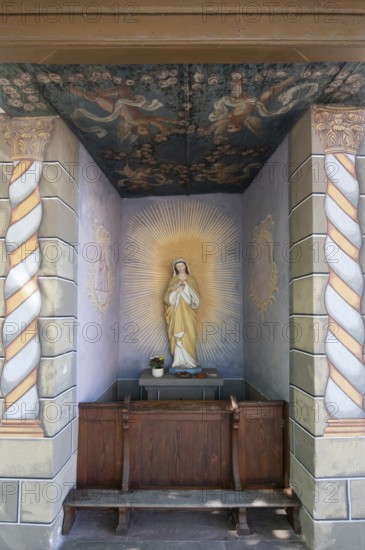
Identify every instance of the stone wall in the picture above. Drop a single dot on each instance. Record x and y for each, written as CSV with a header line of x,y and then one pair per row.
x,y
327,444
37,472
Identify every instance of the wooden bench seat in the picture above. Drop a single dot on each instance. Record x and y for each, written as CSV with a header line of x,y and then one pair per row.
x,y
171,454
238,501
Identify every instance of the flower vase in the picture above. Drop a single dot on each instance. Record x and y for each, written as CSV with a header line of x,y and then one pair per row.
x,y
157,373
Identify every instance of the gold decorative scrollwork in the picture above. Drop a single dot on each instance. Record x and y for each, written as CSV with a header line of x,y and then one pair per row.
x,y
265,275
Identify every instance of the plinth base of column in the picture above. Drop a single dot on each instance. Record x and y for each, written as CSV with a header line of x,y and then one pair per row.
x,y
345,427
21,428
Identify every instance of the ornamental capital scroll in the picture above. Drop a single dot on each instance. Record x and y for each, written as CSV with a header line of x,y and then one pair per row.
x,y
26,136
340,128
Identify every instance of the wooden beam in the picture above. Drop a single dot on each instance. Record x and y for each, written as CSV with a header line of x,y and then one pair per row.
x,y
152,31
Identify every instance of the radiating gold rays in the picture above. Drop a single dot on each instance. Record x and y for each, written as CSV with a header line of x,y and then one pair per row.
x,y
209,241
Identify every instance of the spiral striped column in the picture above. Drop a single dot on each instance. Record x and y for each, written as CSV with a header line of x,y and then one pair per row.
x,y
27,138
341,130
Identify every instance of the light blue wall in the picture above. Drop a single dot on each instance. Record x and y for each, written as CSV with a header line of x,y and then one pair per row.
x,y
97,361
228,347
266,339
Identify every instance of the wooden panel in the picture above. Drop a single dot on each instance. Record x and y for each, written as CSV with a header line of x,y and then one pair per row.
x,y
176,444
183,450
260,444
99,461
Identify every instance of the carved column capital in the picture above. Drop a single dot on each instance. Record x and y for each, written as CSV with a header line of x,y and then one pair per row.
x,y
340,129
26,136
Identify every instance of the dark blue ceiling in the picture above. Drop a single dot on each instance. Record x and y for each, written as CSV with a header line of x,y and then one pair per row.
x,y
179,129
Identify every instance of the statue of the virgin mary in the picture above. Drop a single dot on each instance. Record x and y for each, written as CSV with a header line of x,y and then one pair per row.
x,y
181,302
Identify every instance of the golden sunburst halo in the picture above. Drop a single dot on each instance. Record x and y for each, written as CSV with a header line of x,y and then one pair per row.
x,y
209,241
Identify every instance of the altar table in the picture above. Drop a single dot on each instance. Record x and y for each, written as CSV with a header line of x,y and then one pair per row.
x,y
169,386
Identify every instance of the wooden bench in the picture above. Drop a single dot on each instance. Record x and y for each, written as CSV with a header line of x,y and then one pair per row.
x,y
237,501
195,455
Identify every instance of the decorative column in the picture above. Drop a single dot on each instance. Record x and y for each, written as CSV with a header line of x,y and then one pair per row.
x,y
341,130
26,138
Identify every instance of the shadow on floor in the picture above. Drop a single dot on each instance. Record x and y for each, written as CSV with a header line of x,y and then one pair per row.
x,y
213,530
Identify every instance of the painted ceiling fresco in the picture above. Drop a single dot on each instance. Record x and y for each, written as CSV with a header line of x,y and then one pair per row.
x,y
179,129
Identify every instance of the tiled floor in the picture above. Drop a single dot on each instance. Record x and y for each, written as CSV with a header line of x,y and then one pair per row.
x,y
181,531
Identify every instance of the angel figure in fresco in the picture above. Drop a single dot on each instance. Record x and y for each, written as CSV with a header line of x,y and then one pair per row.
x,y
121,104
181,302
232,174
141,179
244,109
